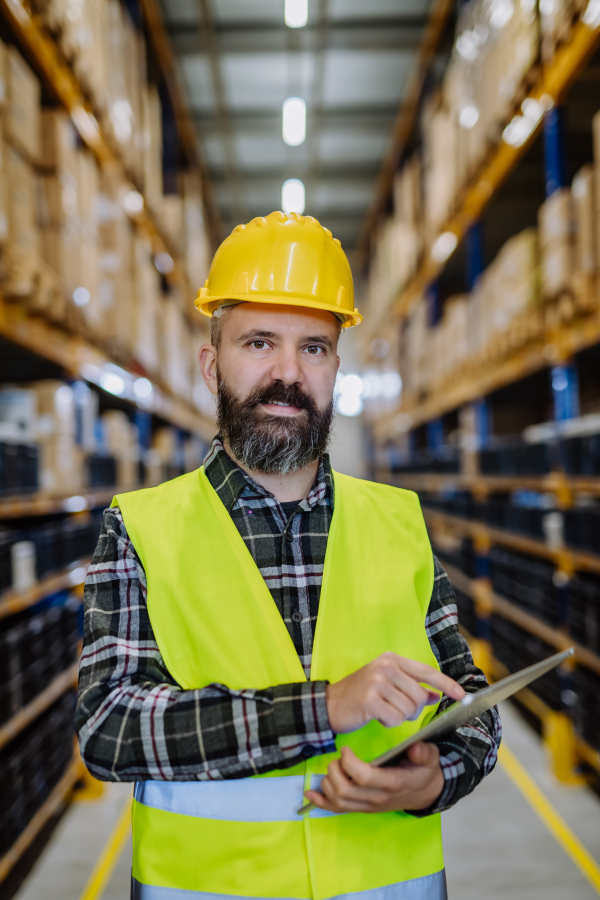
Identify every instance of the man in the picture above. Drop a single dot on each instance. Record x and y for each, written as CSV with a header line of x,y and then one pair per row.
x,y
259,628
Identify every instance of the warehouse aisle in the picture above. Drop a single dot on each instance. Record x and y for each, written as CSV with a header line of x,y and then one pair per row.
x,y
64,869
495,845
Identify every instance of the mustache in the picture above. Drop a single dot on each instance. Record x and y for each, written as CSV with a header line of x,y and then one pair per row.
x,y
278,392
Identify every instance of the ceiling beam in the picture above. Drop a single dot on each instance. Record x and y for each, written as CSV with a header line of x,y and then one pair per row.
x,y
331,172
259,121
398,33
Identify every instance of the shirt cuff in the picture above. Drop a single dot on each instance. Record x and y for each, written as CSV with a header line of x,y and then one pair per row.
x,y
452,768
301,720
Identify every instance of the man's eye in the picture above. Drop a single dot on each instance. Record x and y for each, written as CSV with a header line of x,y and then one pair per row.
x,y
314,349
258,345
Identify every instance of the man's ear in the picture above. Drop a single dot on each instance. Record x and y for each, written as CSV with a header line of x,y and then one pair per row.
x,y
207,357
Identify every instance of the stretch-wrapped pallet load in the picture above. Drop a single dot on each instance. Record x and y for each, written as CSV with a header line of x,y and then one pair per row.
x,y
584,199
557,243
407,220
61,458
439,165
147,307
121,442
197,256
174,341
596,139
116,293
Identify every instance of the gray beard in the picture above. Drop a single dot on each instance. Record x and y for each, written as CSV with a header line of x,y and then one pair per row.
x,y
273,445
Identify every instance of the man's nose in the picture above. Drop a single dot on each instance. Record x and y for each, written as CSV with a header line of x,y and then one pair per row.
x,y
286,367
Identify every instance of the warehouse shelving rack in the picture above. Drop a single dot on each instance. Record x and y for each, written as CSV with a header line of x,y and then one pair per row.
x,y
71,577
548,337
69,350
570,749
551,84
566,749
44,55
81,358
562,339
55,802
29,713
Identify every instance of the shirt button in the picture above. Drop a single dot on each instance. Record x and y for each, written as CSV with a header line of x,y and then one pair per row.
x,y
296,616
289,537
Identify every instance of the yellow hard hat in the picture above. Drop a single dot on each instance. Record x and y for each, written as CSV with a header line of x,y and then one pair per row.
x,y
286,259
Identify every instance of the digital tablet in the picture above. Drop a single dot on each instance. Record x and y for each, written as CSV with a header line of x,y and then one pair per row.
x,y
467,709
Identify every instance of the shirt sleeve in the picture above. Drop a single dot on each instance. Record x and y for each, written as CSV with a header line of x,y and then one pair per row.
x,y
133,720
470,752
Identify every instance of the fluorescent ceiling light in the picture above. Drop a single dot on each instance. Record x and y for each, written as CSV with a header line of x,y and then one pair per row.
x,y
296,13
292,196
294,121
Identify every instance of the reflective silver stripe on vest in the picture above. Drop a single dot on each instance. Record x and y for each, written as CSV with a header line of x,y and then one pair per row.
x,y
430,887
236,800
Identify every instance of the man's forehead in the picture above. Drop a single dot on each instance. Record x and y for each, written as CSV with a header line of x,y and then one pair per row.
x,y
281,320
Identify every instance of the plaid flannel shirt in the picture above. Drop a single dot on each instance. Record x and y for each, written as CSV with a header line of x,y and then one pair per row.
x,y
135,722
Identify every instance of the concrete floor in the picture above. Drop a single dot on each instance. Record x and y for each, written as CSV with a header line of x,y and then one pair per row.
x,y
495,845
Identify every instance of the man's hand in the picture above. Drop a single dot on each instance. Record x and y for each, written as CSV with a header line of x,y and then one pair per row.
x,y
387,690
352,785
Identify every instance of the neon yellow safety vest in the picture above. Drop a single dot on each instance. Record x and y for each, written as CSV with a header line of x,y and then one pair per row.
x,y
215,621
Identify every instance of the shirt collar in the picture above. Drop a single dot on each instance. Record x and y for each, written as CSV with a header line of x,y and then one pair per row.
x,y
231,482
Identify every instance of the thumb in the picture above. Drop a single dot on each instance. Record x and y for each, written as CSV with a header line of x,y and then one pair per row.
x,y
423,754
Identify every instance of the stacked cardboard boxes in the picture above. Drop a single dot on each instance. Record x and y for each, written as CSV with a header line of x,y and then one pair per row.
x,y
21,153
121,441
557,242
61,458
68,249
116,293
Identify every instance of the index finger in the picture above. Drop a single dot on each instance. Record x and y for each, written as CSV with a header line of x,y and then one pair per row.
x,y
422,672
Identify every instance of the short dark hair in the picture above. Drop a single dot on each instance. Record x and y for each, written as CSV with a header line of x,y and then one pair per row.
x,y
216,327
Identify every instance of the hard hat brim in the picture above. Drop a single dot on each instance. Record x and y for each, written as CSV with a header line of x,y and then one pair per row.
x,y
207,305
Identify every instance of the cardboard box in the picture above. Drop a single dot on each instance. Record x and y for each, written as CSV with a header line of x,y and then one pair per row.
x,y
61,465
23,125
147,307
558,267
556,218
59,141
18,415
55,409
20,262
584,200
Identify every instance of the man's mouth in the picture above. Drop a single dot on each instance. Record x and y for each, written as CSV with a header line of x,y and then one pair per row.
x,y
280,408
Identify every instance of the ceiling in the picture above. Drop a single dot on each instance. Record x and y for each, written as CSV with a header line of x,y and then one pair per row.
x,y
351,63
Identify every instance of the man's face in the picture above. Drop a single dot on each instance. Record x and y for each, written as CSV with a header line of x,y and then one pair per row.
x,y
274,376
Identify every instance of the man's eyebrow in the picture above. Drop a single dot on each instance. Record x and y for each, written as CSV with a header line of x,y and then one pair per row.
x,y
256,334
320,339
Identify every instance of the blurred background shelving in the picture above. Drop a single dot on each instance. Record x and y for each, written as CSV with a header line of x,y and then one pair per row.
x,y
482,272
107,226
454,149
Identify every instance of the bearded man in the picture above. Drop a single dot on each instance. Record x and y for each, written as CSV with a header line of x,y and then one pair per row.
x,y
259,629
